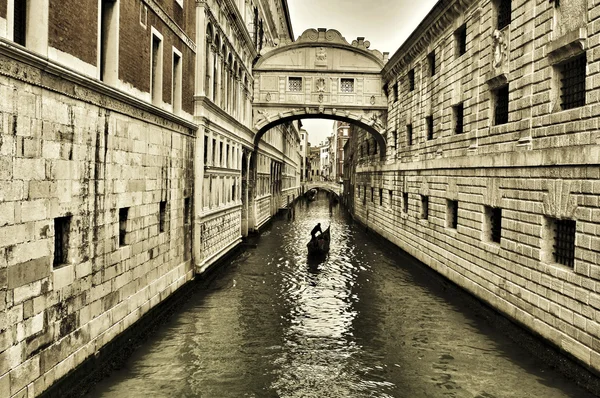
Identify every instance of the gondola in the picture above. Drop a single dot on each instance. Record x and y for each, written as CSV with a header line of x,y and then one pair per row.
x,y
319,245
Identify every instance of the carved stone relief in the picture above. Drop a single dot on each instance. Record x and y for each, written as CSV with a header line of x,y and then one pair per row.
x,y
500,48
559,202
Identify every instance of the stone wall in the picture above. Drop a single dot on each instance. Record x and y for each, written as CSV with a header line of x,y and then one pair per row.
x,y
76,269
538,169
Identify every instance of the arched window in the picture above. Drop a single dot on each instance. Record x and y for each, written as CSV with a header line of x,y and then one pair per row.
x,y
215,65
209,57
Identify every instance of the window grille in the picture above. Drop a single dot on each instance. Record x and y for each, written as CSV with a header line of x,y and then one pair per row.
x,y
409,134
431,60
504,11
346,85
20,21
452,216
411,80
429,123
459,111
572,82
495,215
501,106
61,240
405,202
295,84
564,243
461,40
424,207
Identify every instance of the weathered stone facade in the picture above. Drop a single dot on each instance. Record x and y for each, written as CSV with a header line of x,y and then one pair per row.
x,y
492,171
120,177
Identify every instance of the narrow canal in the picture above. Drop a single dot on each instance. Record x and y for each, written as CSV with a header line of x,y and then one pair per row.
x,y
366,322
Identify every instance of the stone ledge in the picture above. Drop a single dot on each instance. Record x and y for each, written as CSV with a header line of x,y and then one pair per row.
x,y
569,45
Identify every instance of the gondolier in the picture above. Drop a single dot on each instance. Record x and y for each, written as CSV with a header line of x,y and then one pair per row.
x,y
316,229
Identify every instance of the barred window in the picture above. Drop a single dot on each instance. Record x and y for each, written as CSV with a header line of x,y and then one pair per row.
x,y
458,116
501,105
347,85
424,207
452,214
405,202
162,216
429,126
431,61
372,193
409,134
564,242
460,37
493,221
572,82
123,215
391,195
411,80
295,84
380,196
503,11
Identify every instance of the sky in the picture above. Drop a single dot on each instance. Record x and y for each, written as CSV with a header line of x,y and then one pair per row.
x,y
384,23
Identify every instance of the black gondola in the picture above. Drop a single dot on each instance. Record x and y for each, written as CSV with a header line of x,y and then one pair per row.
x,y
319,245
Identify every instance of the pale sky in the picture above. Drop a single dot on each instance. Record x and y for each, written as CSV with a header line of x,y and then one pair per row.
x,y
384,23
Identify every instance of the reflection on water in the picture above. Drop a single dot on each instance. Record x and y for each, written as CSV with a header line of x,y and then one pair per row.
x,y
360,322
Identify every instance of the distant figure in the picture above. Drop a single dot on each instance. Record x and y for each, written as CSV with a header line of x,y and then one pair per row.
x,y
316,229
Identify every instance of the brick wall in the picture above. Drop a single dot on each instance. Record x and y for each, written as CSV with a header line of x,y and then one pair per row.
x,y
69,30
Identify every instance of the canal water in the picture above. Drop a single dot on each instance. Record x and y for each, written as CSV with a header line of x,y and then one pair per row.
x,y
365,322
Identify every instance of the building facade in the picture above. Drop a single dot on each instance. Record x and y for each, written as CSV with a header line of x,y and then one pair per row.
x,y
128,165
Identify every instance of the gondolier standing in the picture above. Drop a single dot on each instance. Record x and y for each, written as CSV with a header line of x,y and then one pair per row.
x,y
314,231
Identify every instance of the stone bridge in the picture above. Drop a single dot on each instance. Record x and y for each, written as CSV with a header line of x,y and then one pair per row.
x,y
321,76
336,188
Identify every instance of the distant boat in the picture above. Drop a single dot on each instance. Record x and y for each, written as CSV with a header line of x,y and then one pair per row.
x,y
311,195
319,245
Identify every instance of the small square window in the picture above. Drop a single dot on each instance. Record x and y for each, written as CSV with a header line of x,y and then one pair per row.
x,y
395,139
572,82
391,195
395,92
405,202
347,85
493,224
411,80
424,207
295,84
431,62
372,193
62,226
365,195
452,214
561,240
500,97
409,134
460,38
429,126
458,118
380,196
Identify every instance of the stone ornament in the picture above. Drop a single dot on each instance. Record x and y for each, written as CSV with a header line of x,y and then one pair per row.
x,y
321,57
500,48
320,85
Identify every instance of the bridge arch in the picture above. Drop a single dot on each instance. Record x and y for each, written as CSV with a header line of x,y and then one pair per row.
x,y
321,76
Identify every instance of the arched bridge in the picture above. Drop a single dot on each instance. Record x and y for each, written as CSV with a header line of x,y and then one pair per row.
x,y
336,188
321,76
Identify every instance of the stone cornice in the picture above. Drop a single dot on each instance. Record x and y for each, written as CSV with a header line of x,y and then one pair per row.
x,y
54,77
166,18
201,100
238,21
433,25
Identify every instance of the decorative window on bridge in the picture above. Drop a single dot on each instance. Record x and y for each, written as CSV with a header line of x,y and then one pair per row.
x,y
431,63
458,112
460,38
429,126
405,202
295,84
411,80
561,240
572,82
493,224
409,134
500,98
346,85
503,12
62,227
424,207
452,214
